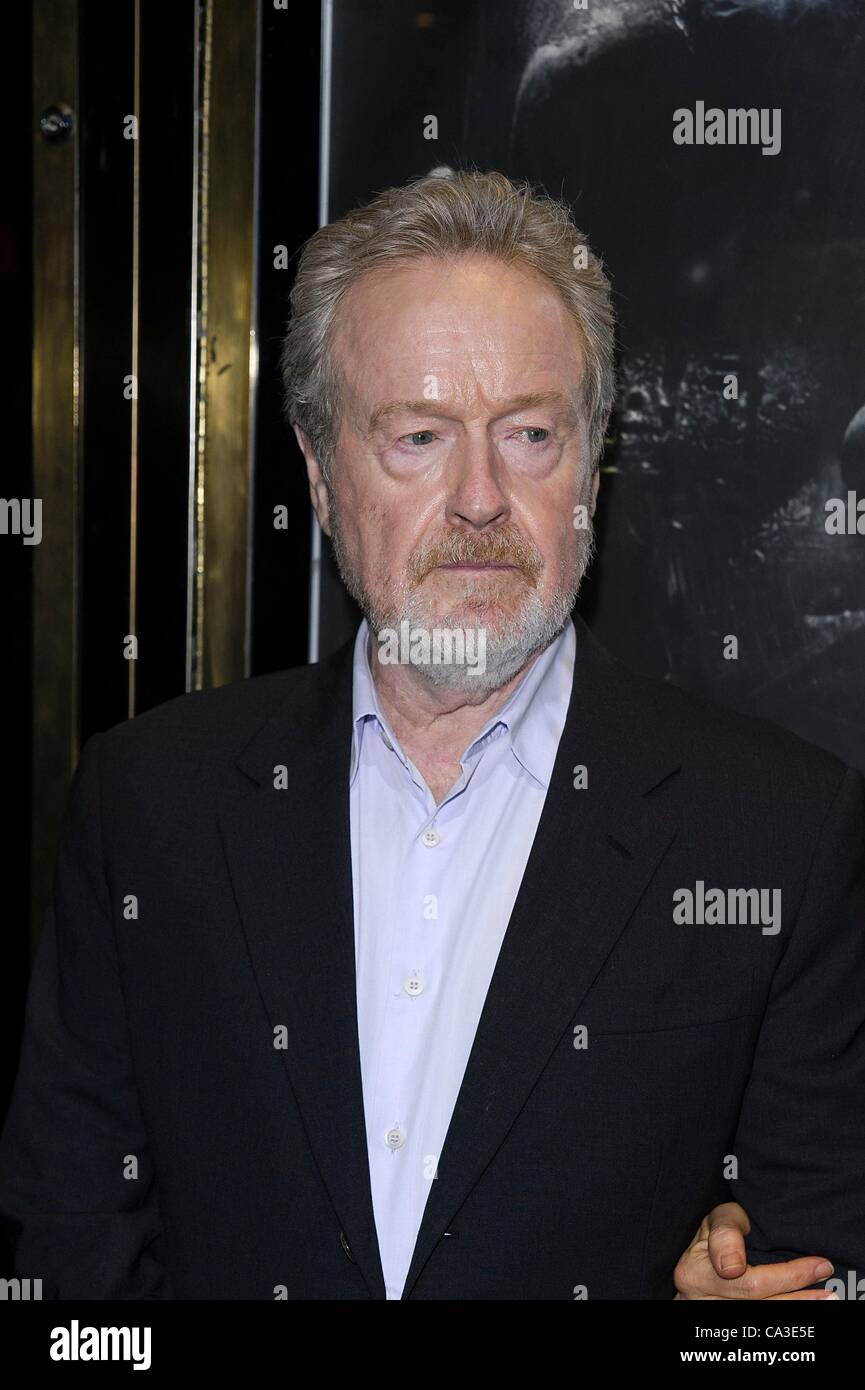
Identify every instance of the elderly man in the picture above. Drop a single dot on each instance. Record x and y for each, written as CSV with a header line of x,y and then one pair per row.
x,y
465,964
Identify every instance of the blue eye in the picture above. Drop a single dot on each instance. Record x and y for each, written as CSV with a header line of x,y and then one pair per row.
x,y
536,429
416,438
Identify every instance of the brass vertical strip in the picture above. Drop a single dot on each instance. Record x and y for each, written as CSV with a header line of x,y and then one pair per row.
x,y
136,327
228,257
200,405
56,414
197,337
253,346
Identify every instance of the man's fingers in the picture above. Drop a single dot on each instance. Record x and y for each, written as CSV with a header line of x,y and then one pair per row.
x,y
728,1225
695,1277
715,1266
768,1281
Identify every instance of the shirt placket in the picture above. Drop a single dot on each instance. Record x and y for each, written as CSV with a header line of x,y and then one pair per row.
x,y
404,1164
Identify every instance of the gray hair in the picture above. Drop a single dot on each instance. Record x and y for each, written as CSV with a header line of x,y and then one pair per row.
x,y
438,216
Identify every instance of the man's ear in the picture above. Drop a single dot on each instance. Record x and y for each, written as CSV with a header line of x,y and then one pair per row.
x,y
596,483
317,486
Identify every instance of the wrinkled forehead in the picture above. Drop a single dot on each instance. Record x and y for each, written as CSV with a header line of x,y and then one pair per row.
x,y
461,328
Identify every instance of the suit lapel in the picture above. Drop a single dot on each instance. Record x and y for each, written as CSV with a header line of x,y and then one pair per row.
x,y
289,855
593,855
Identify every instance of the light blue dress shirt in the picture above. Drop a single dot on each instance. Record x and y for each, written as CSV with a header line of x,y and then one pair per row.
x,y
433,888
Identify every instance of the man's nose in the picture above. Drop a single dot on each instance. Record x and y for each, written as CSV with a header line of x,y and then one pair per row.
x,y
477,496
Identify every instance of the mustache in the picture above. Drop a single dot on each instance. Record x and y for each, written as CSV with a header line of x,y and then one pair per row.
x,y
506,545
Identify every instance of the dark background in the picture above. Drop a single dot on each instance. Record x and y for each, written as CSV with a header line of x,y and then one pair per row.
x,y
711,512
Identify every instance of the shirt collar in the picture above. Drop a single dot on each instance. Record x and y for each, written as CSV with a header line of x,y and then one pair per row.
x,y
533,715
366,707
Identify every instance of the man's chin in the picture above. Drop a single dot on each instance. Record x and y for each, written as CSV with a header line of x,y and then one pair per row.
x,y
493,617
498,608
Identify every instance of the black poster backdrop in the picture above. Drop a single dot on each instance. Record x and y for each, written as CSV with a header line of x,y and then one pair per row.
x,y
739,280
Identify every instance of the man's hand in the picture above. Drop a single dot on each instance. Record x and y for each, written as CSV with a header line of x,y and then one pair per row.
x,y
715,1264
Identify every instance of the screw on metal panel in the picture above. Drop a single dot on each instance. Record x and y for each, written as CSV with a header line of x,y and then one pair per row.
x,y
56,123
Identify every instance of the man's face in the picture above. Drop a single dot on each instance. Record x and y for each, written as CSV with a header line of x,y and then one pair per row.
x,y
461,455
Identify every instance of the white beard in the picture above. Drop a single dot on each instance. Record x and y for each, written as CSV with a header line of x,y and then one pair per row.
x,y
510,645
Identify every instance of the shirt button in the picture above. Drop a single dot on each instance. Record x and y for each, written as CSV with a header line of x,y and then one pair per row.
x,y
413,985
431,837
395,1138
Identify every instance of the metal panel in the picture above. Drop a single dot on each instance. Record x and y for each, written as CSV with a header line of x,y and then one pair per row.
x,y
227,342
55,436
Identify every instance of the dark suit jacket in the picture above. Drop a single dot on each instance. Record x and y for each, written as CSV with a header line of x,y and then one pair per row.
x,y
159,1145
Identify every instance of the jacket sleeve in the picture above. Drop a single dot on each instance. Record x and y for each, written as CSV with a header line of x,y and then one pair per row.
x,y
800,1141
77,1187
